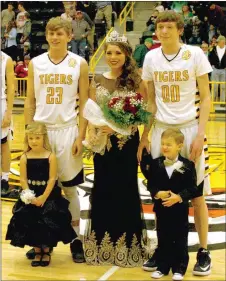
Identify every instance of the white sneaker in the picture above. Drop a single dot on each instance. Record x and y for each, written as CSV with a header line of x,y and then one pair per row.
x,y
157,274
178,276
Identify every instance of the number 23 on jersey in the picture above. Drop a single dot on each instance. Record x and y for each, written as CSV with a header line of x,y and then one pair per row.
x,y
54,95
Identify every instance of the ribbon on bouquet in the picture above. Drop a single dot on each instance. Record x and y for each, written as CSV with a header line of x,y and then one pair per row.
x,y
93,113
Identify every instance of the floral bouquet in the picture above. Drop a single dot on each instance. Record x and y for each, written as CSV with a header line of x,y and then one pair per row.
x,y
120,113
126,111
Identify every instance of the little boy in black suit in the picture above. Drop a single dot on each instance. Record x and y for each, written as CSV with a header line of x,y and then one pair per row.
x,y
172,182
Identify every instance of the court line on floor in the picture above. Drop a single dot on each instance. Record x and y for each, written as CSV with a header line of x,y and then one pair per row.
x,y
108,273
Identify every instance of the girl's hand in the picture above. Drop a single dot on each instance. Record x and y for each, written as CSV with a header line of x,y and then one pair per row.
x,y
40,201
105,130
34,201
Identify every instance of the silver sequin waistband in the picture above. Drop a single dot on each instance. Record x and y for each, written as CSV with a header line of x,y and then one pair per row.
x,y
37,182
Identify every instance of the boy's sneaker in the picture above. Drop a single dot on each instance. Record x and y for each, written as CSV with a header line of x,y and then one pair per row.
x,y
151,264
157,274
177,276
203,264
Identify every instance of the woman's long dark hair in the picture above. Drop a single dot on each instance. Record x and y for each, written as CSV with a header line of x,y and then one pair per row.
x,y
11,25
130,78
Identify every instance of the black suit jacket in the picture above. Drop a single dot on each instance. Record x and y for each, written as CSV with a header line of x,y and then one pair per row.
x,y
183,184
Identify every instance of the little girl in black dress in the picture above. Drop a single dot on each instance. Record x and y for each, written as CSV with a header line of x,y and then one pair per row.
x,y
40,217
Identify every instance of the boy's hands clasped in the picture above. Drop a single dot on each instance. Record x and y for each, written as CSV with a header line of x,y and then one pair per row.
x,y
168,197
171,200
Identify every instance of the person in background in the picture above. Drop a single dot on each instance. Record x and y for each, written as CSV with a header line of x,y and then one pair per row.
x,y
196,30
104,9
211,32
7,15
151,22
205,48
27,29
26,51
80,31
10,40
66,15
217,58
215,14
187,15
20,21
21,69
141,51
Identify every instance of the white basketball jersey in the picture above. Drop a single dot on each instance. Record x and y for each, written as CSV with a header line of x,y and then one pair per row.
x,y
56,88
4,59
175,82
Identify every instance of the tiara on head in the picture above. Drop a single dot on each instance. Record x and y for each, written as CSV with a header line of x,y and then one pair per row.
x,y
115,37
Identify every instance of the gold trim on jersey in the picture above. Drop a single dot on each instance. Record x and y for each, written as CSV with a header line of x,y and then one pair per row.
x,y
72,62
186,55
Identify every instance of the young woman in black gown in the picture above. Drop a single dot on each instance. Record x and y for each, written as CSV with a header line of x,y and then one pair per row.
x,y
115,234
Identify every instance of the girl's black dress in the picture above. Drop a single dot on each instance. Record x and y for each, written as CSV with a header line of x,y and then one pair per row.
x,y
40,226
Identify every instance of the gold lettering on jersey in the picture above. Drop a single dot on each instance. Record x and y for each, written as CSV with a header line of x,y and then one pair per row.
x,y
185,75
52,78
171,76
170,93
54,95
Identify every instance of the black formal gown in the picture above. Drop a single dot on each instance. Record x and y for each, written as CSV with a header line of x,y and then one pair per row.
x,y
40,226
115,233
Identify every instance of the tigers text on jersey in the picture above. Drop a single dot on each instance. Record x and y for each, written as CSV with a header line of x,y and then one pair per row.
x,y
56,87
4,59
175,82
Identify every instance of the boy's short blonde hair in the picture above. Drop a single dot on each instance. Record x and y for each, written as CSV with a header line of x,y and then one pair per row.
x,y
174,133
57,23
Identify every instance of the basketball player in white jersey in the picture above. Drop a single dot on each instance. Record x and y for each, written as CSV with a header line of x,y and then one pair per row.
x,y
7,98
54,79
172,73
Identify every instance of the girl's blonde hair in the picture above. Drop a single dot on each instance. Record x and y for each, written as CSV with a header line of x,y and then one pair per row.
x,y
37,129
57,23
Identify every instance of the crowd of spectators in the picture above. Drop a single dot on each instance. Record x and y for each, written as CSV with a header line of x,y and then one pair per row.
x,y
23,27
204,26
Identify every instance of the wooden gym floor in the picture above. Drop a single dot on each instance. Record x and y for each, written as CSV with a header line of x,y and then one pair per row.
x,y
15,266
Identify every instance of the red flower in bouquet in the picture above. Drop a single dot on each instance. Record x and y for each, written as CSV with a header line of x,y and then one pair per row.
x,y
130,108
139,97
113,101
